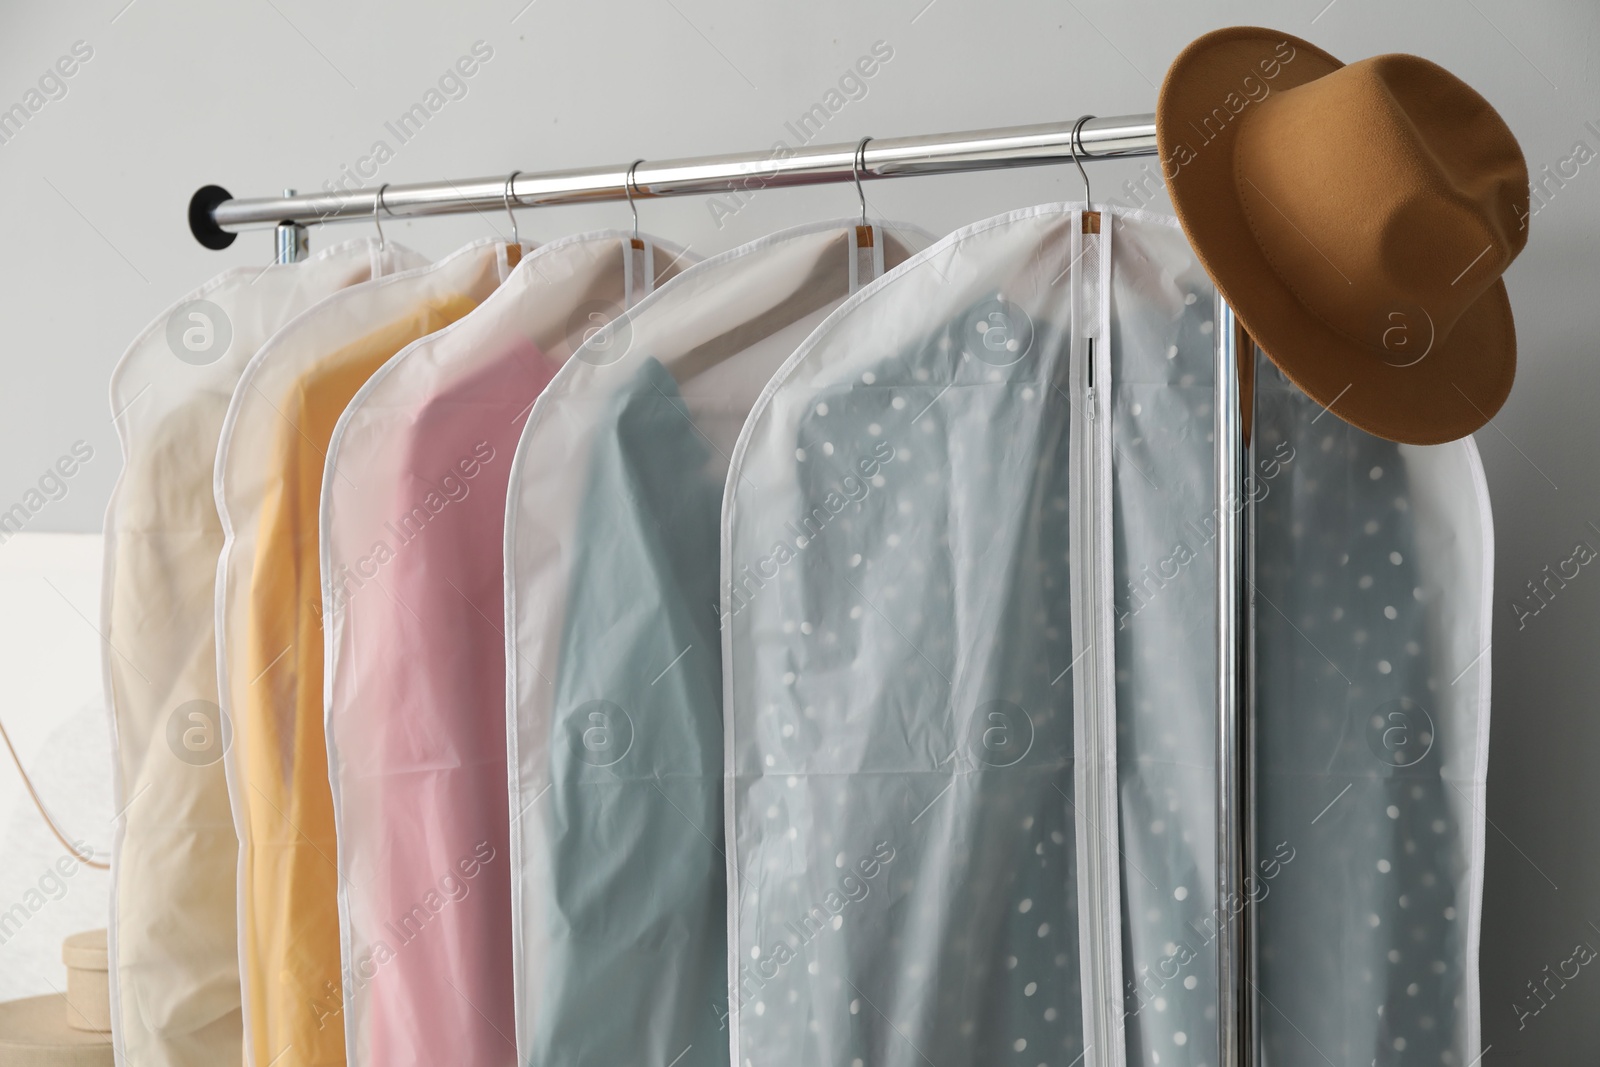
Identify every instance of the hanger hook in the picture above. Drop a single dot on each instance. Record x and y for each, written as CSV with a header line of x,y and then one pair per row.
x,y
1076,145
516,238
857,165
628,188
377,202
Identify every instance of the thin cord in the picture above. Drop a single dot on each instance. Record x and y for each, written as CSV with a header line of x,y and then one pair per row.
x,y
34,793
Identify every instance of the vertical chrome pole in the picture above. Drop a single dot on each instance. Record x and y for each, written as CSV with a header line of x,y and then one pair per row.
x,y
1236,963
291,240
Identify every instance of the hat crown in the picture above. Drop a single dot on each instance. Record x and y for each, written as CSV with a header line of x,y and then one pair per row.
x,y
1386,195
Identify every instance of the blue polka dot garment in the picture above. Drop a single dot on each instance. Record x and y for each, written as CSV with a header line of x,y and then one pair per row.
x,y
1372,689
899,631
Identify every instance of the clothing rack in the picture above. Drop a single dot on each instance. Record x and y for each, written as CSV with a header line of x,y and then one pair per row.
x,y
216,217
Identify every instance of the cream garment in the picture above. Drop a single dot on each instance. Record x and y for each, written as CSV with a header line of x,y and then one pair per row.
x,y
174,960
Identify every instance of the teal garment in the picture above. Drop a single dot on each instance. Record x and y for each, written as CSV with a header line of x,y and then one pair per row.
x,y
637,884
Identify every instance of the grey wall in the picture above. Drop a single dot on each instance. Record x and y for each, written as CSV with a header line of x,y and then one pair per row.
x,y
260,94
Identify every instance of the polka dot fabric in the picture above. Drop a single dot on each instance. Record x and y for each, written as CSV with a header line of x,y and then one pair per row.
x,y
898,640
898,636
1372,574
1164,596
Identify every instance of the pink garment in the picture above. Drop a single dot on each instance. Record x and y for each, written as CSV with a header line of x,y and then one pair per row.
x,y
432,675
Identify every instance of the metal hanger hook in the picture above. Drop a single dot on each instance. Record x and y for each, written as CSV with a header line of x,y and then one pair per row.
x,y
857,165
377,202
1075,146
516,238
628,188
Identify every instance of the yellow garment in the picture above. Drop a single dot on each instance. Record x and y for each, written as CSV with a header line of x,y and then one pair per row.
x,y
289,876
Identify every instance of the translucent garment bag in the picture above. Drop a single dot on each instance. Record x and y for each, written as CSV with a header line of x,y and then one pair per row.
x,y
173,932
269,636
919,804
613,655
413,513
1164,524
1374,578
916,630
1372,591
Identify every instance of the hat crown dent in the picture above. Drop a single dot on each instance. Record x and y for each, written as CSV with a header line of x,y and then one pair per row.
x,y
1382,192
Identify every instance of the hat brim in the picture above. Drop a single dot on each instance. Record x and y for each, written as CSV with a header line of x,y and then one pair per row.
x,y
1458,383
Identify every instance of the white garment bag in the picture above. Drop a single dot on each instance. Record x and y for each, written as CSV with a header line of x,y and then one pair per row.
x,y
1164,522
413,506
613,655
916,631
1374,582
174,961
268,616
1372,589
969,603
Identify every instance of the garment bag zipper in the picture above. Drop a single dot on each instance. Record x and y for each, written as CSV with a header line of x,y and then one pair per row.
x,y
1099,900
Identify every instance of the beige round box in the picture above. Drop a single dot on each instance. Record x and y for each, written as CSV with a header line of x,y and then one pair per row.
x,y
88,981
